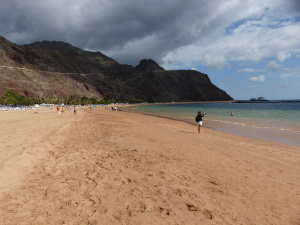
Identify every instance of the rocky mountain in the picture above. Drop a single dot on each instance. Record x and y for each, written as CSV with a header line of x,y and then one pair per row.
x,y
60,69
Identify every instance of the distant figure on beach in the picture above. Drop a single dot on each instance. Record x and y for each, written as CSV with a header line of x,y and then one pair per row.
x,y
231,113
199,120
74,110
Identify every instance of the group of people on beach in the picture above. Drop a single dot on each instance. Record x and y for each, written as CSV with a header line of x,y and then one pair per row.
x,y
63,109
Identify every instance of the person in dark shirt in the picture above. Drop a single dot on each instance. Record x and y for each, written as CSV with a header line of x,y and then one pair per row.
x,y
199,120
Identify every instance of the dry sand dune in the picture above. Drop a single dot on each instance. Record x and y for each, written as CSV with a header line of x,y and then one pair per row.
x,y
104,167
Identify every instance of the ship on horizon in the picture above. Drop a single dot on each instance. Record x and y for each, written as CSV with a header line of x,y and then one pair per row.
x,y
261,98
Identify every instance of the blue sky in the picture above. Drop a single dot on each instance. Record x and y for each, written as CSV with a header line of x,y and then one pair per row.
x,y
248,48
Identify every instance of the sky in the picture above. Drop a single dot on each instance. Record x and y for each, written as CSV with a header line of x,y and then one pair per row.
x,y
248,48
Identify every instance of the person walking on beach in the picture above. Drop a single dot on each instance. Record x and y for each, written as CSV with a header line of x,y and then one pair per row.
x,y
199,120
74,110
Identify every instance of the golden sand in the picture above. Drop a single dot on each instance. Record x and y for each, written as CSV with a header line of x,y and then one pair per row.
x,y
104,167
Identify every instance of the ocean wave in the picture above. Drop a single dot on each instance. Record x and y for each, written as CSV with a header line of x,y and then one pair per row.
x,y
255,126
224,121
187,117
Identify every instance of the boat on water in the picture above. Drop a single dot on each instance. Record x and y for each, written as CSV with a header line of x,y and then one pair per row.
x,y
253,100
261,98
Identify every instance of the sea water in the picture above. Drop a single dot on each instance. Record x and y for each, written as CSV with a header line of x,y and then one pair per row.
x,y
278,121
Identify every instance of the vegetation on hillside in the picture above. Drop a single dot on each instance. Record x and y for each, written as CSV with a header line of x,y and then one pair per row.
x,y
12,98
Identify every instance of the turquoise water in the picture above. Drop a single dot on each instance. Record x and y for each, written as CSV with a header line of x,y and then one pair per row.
x,y
269,121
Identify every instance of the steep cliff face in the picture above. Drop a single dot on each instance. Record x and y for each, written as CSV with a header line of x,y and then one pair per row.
x,y
60,69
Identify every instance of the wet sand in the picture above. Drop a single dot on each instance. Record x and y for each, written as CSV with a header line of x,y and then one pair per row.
x,y
267,134
104,167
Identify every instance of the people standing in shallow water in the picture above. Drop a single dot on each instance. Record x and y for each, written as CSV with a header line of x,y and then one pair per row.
x,y
199,120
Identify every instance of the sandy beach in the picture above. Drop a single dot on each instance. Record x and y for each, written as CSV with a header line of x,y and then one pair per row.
x,y
105,167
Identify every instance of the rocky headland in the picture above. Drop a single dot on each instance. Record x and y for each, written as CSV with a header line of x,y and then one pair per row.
x,y
60,69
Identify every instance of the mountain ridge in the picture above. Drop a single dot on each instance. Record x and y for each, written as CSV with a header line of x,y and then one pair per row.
x,y
60,69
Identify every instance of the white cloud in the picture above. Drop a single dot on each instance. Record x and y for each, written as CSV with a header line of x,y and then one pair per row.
x,y
247,70
274,66
281,56
285,75
291,74
254,44
248,38
260,78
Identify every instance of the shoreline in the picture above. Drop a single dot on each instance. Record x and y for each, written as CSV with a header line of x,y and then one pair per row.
x,y
107,167
259,133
